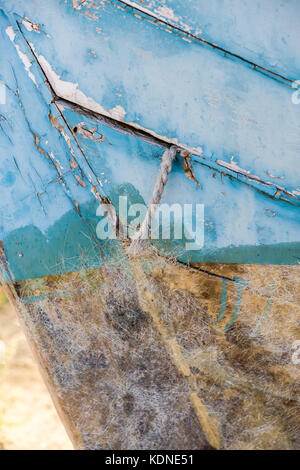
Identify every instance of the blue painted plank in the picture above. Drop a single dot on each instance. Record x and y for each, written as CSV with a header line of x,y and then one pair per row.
x,y
39,191
264,32
48,212
169,86
241,224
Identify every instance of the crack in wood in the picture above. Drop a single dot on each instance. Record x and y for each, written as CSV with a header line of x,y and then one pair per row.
x,y
146,135
259,68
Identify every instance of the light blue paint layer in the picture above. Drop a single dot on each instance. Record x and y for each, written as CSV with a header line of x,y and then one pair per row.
x,y
47,210
264,32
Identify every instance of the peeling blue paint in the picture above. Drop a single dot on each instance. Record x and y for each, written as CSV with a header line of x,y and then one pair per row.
x,y
262,32
47,171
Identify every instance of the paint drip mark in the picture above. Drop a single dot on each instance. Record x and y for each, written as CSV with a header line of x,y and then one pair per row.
x,y
241,283
265,312
223,301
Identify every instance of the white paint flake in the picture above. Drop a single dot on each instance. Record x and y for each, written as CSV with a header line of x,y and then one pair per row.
x,y
77,4
69,90
162,12
24,57
30,26
118,112
167,13
10,33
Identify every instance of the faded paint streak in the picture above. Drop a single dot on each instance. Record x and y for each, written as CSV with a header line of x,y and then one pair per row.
x,y
24,58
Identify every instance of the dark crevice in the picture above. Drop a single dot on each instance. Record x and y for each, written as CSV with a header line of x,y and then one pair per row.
x,y
196,268
120,126
125,128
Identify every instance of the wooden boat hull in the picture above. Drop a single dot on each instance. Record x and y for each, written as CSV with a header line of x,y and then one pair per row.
x,y
176,348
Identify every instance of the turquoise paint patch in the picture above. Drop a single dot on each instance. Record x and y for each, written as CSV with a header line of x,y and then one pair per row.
x,y
40,298
8,179
223,301
241,283
277,253
69,245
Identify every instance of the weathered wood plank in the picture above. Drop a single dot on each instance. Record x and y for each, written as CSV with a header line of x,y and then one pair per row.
x,y
262,32
139,357
47,190
211,101
148,352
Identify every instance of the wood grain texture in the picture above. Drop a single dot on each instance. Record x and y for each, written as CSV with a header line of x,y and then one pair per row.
x,y
138,359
